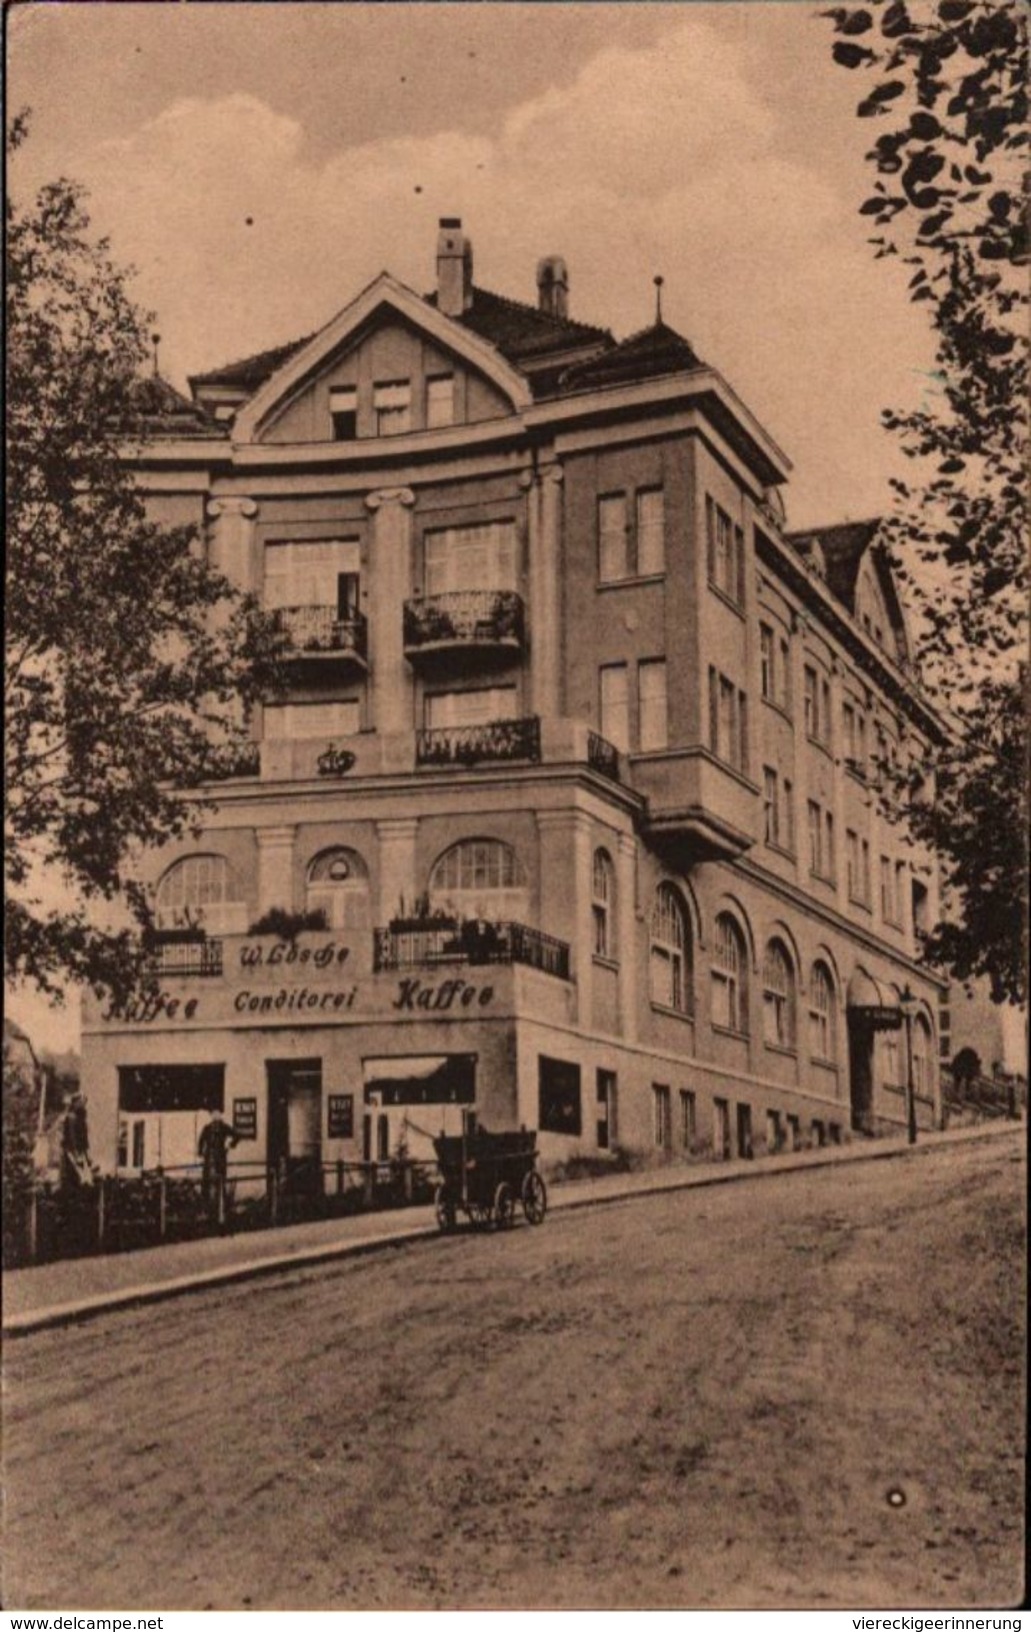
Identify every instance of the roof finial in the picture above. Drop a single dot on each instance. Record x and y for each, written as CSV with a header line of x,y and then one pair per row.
x,y
156,341
658,281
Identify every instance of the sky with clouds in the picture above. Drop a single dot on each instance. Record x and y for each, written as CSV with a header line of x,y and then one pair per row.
x,y
258,164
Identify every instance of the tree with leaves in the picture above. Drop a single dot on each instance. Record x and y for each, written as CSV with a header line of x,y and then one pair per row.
x,y
947,99
126,653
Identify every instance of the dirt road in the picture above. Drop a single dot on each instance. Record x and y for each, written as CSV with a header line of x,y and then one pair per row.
x,y
795,1392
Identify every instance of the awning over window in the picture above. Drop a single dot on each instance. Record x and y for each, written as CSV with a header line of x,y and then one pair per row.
x,y
872,1002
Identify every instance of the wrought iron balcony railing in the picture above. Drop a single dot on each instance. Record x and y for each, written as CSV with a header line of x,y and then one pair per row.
x,y
319,631
470,943
187,957
602,756
465,617
466,745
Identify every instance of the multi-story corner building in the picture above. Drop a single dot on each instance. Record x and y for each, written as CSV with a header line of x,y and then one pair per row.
x,y
576,758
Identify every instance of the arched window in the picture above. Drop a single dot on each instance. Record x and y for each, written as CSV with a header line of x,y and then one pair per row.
x,y
603,895
338,883
921,1056
823,1039
729,976
480,878
201,891
670,964
778,996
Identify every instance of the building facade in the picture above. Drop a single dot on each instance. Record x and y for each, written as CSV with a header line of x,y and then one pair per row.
x,y
576,763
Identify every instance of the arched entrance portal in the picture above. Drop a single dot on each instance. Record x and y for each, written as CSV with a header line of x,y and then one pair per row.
x,y
870,1007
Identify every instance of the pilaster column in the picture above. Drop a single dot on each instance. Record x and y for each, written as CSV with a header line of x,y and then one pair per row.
x,y
626,932
275,868
565,894
545,545
799,628
841,803
231,539
396,840
391,559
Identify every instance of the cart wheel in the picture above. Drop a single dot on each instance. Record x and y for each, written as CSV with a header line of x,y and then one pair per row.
x,y
444,1208
504,1207
535,1198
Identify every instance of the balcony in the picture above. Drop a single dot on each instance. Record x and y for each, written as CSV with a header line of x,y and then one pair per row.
x,y
187,957
703,806
482,620
243,759
425,946
602,756
494,742
321,639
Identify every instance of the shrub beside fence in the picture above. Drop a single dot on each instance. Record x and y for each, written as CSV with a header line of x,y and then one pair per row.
x,y
119,1214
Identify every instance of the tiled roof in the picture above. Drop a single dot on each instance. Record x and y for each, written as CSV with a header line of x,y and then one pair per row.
x,y
843,548
522,332
250,372
158,409
650,352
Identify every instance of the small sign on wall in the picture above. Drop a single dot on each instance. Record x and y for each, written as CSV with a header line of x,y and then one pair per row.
x,y
245,1118
341,1116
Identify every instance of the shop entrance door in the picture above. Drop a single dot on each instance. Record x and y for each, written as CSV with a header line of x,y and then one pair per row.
x,y
295,1123
860,1073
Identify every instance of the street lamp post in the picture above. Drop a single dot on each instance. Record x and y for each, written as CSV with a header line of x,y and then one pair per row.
x,y
907,1003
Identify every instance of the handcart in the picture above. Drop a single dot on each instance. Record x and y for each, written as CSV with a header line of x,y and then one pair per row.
x,y
484,1175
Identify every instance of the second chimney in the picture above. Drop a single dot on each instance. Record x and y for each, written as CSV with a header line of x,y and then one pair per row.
x,y
454,268
553,286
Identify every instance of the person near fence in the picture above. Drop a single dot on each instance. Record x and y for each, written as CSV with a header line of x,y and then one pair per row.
x,y
213,1147
76,1167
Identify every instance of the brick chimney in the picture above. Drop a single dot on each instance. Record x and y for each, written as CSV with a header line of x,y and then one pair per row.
x,y
454,268
553,286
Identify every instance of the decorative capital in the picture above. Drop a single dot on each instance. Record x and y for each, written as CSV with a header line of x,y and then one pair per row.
x,y
525,479
553,473
390,495
627,843
232,507
274,838
397,827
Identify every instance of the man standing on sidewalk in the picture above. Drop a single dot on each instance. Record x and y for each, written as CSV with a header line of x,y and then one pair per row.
x,y
213,1149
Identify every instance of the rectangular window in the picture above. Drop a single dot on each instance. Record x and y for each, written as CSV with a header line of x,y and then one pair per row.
x,y
440,400
814,815
146,1088
789,816
559,1096
448,709
728,723
392,405
767,662
771,805
651,532
887,904
606,1096
613,539
725,553
900,892
744,1131
785,674
663,1128
688,1120
774,1133
853,875
307,574
303,722
651,692
812,704
615,705
721,1130
343,409
830,860
479,556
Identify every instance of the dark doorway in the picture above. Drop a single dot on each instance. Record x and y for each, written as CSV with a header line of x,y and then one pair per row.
x,y
295,1123
860,1073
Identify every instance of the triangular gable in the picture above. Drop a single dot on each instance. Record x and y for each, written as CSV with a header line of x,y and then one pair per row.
x,y
384,292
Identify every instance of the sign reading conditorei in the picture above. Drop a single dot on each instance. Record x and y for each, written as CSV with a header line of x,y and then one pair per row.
x,y
383,995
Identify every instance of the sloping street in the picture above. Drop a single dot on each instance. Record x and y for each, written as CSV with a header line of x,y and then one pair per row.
x,y
801,1392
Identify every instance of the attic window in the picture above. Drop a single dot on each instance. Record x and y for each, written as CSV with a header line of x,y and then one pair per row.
x,y
440,400
392,401
343,406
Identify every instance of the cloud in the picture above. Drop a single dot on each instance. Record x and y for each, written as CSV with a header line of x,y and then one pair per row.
x,y
660,158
